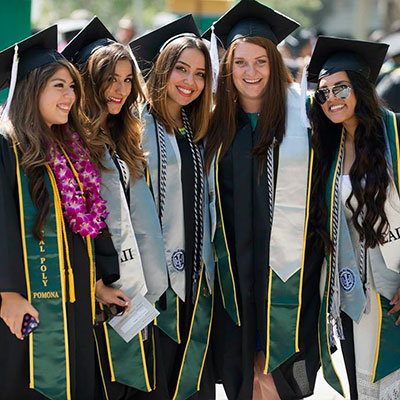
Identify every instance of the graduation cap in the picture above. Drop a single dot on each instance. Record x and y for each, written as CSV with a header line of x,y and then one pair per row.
x,y
249,18
332,54
91,37
147,47
31,53
23,57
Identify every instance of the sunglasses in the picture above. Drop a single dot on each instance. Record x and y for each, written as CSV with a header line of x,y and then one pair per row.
x,y
106,313
341,91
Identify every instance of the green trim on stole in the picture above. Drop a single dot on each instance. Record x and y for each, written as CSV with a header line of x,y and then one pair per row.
x,y
49,347
328,368
127,357
282,314
388,349
196,346
223,257
189,379
168,320
284,298
285,302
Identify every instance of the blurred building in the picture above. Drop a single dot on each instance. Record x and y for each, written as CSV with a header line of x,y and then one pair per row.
x,y
204,11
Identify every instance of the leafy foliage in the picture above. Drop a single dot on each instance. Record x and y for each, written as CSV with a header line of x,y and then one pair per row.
x,y
303,11
109,11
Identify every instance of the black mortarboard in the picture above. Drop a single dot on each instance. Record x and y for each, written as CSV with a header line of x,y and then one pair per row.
x,y
251,18
147,47
35,51
332,54
92,36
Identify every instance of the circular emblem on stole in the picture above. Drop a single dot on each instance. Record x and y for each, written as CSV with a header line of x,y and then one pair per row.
x,y
347,279
178,260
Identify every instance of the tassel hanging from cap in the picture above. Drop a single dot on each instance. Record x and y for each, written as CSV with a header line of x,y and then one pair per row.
x,y
214,60
13,82
303,98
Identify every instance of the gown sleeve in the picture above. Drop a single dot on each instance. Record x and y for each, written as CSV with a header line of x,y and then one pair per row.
x,y
12,275
107,265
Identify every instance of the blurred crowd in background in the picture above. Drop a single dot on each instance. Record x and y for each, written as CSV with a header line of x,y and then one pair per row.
x,y
376,20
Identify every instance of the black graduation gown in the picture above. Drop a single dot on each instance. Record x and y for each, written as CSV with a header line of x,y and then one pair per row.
x,y
245,206
169,353
116,390
14,367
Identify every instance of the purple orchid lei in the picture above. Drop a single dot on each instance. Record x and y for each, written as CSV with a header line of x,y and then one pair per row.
x,y
85,211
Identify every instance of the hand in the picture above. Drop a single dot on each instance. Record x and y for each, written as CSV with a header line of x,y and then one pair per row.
x,y
396,302
13,308
108,295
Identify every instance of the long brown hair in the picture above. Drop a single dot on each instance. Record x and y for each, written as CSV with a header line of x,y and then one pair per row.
x,y
271,122
125,127
199,109
33,136
369,173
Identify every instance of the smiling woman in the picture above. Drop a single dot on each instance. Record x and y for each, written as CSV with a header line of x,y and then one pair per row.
x,y
120,86
186,81
176,120
250,72
50,210
57,98
113,93
266,302
355,211
340,107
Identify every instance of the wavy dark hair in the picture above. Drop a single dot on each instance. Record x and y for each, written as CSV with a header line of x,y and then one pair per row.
x,y
125,128
33,137
272,121
369,173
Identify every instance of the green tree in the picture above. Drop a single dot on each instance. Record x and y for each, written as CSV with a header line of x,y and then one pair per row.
x,y
110,12
303,11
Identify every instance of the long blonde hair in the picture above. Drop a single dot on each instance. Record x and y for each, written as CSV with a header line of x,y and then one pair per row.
x,y
33,137
125,127
199,109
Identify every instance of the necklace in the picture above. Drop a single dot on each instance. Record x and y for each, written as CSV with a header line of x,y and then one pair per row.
x,y
79,184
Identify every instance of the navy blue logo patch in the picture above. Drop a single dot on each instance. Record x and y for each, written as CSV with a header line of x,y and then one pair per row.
x,y
347,280
178,260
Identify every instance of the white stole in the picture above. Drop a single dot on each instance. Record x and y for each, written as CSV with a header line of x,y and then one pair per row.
x,y
289,217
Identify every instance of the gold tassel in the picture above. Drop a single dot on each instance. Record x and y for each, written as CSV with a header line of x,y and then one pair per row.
x,y
71,285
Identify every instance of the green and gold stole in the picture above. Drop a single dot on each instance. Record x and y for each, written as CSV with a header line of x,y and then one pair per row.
x,y
48,289
283,322
387,357
133,363
196,346
129,363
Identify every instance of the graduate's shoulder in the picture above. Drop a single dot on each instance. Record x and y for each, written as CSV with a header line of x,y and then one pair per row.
x,y
5,134
5,142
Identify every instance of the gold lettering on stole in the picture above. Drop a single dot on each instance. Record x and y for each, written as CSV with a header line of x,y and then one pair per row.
x,y
43,267
46,295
